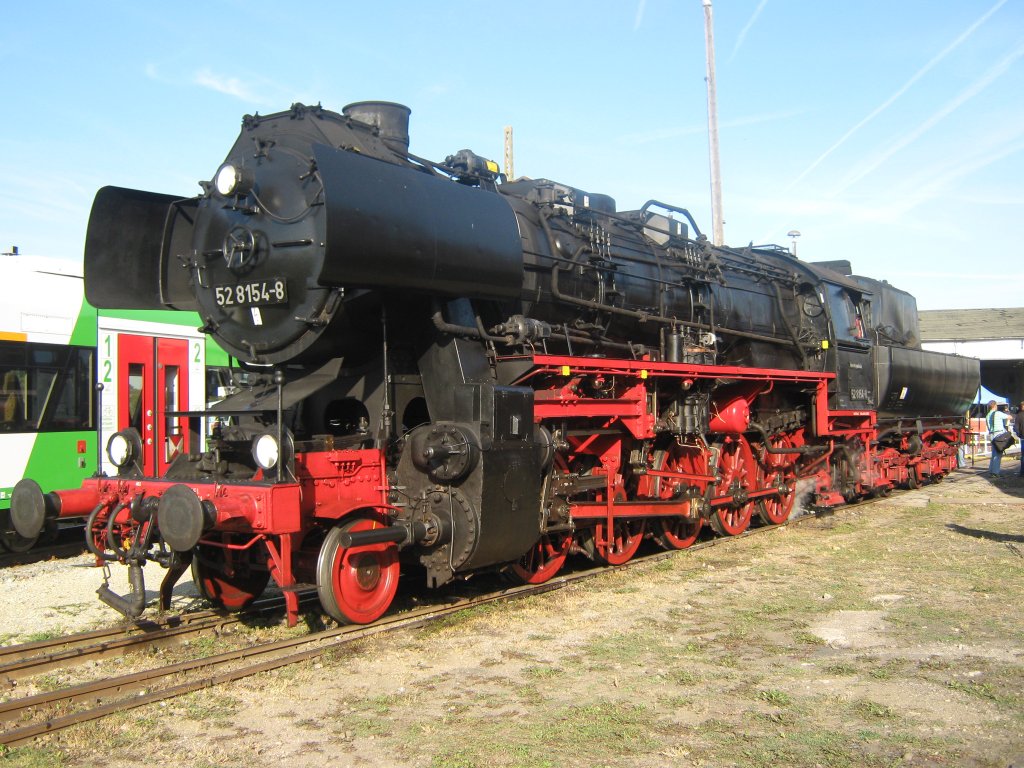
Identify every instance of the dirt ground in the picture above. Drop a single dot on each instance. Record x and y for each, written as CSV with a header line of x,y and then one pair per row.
x,y
887,635
56,597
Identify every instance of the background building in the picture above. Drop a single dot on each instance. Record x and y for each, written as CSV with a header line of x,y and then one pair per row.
x,y
995,336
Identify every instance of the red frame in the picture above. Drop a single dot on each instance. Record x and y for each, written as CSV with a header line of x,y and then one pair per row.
x,y
334,484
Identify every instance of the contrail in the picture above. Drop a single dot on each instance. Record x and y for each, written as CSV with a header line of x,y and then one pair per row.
x,y
924,192
906,86
968,93
743,32
639,15
699,129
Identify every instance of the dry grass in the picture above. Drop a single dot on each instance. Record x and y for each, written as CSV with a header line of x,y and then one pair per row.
x,y
881,636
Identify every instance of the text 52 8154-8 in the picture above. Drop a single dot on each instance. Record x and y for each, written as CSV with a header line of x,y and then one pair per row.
x,y
252,294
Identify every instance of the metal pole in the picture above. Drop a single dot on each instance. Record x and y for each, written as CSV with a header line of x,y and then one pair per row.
x,y
509,165
716,173
279,381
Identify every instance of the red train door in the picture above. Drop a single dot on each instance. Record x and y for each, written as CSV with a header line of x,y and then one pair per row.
x,y
152,382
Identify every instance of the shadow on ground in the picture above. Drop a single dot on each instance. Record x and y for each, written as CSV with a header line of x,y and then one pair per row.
x,y
977,533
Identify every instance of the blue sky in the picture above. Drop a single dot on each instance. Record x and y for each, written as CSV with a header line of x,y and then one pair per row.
x,y
888,132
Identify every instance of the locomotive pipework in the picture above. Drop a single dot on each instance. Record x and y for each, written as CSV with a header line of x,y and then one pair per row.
x,y
473,374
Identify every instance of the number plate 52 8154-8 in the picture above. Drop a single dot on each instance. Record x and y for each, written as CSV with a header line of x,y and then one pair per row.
x,y
256,293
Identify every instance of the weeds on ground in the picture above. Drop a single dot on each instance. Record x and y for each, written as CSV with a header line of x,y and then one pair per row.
x,y
32,757
38,637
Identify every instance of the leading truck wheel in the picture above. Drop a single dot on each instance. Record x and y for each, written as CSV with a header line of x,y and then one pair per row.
x,y
232,585
356,584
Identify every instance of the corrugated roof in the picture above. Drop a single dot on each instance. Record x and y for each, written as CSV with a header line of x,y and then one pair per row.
x,y
971,324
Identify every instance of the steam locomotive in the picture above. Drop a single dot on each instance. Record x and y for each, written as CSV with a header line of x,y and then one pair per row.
x,y
455,372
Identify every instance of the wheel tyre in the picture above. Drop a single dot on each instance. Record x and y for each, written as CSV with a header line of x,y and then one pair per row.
x,y
730,521
624,541
232,593
913,483
737,473
542,562
775,510
678,532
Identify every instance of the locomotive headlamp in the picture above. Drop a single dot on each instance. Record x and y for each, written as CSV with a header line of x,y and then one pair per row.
x,y
124,449
232,180
119,450
266,451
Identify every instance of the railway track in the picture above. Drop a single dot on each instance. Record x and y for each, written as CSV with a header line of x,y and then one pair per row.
x,y
57,551
18,662
27,718
117,694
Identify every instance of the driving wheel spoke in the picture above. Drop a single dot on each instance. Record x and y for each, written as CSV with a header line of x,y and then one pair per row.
x,y
737,472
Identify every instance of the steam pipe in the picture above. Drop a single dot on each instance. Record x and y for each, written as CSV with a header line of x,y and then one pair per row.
x,y
442,325
90,544
789,327
437,318
819,460
806,450
132,608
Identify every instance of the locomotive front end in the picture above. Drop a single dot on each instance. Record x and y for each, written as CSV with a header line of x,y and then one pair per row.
x,y
255,237
285,253
313,228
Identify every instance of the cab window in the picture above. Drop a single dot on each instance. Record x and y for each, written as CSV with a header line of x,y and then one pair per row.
x,y
847,317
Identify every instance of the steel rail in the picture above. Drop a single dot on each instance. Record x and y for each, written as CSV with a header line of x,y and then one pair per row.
x,y
27,659
28,666
102,690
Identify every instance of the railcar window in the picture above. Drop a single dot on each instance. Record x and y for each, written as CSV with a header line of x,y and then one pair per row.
x,y
46,387
136,395
173,428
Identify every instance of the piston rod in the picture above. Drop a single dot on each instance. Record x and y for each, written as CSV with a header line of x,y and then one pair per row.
x,y
397,534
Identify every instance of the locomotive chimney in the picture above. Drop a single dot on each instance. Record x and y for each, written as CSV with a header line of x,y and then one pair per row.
x,y
391,121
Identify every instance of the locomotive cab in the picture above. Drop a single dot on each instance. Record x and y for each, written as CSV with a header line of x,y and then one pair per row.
x,y
849,311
